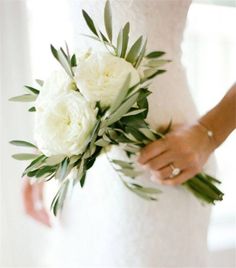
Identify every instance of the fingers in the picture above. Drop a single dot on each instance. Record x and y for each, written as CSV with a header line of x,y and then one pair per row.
x,y
40,215
152,150
160,161
33,203
163,177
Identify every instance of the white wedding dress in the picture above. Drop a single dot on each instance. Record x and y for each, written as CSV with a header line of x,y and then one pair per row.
x,y
106,225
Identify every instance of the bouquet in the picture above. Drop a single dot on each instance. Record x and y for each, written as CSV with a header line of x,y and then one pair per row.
x,y
97,99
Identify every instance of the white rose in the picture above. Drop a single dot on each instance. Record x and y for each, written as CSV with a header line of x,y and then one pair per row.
x,y
64,124
57,83
100,76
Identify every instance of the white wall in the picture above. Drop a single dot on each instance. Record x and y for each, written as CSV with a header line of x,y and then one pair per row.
x,y
21,239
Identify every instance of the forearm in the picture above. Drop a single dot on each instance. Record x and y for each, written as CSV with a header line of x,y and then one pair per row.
x,y
221,120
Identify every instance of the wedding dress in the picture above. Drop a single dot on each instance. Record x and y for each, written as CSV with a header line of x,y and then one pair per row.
x,y
106,225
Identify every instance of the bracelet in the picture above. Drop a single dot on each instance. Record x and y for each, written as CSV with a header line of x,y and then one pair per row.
x,y
208,131
210,134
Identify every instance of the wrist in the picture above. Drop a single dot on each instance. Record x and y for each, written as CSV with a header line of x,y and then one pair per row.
x,y
209,134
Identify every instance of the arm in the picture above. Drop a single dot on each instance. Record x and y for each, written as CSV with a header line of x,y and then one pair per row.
x,y
221,120
188,147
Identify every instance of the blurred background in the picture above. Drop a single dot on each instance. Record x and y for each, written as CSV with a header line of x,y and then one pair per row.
x,y
27,28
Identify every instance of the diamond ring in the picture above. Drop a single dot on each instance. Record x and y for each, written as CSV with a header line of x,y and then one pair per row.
x,y
175,171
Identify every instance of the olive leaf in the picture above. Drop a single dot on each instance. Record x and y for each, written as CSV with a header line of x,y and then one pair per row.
x,y
134,112
24,156
33,90
151,73
123,109
63,59
63,170
54,160
134,51
155,54
32,109
39,82
148,133
156,63
24,98
22,143
129,172
92,26
123,40
108,20
36,163
141,55
58,200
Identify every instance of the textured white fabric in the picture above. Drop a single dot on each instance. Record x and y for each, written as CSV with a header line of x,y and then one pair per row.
x,y
104,224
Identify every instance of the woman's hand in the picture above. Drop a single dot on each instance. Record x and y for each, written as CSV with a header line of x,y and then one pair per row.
x,y
34,203
180,155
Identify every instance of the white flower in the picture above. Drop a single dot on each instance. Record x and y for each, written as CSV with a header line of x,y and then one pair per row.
x,y
63,125
100,76
57,83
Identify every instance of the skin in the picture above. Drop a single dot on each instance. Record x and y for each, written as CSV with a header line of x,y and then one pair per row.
x,y
187,147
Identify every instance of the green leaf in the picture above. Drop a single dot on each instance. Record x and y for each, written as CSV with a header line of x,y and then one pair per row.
x,y
33,90
54,160
32,109
135,112
59,199
148,133
108,20
168,128
39,82
129,172
156,63
140,191
24,98
155,54
123,40
89,22
62,58
45,171
73,61
24,156
22,143
151,190
102,143
141,55
134,51
82,180
63,170
36,163
123,109
131,148
151,73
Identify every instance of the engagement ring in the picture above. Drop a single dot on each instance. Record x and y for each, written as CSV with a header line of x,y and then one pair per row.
x,y
175,171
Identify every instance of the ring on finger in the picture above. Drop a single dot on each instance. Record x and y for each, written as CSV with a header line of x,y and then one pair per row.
x,y
175,171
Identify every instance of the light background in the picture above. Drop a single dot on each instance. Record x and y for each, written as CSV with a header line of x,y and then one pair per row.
x,y
27,29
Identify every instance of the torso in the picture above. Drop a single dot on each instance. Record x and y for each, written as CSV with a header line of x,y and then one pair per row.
x,y
104,224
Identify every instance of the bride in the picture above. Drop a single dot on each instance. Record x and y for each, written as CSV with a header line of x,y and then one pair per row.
x,y
104,224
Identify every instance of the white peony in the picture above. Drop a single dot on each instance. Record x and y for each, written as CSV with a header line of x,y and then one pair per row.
x,y
57,83
100,76
63,125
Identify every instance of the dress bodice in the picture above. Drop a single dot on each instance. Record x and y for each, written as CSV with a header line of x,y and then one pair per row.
x,y
163,23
